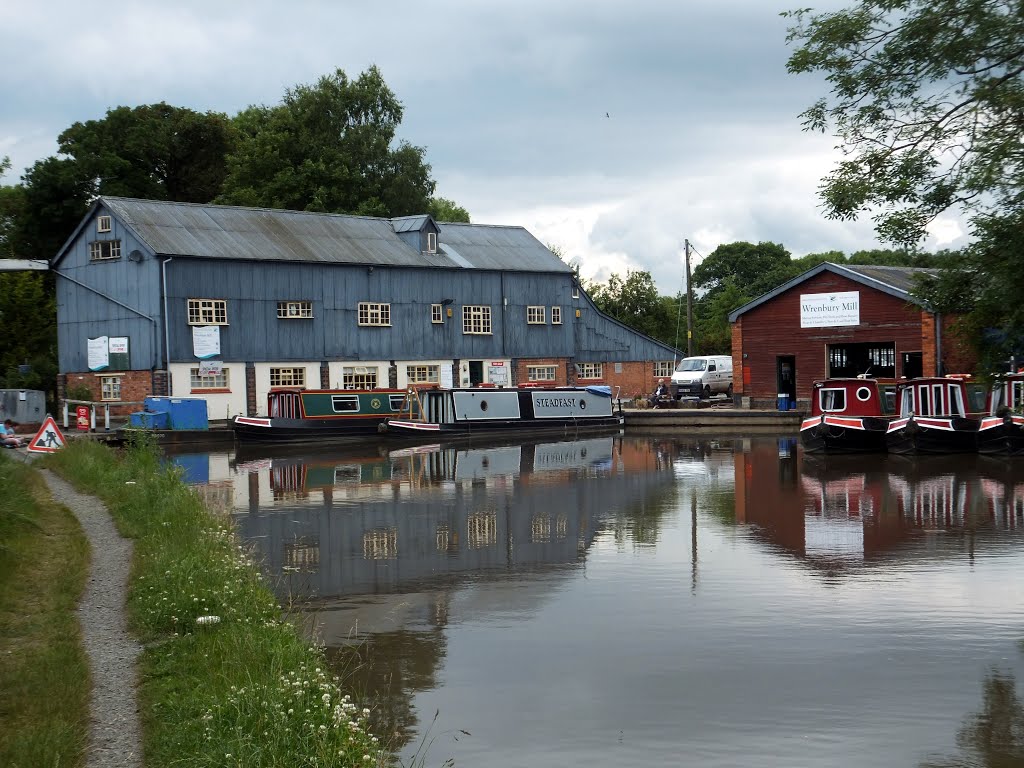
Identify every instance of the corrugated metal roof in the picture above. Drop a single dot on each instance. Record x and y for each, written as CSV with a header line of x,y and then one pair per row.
x,y
896,281
264,234
409,223
497,247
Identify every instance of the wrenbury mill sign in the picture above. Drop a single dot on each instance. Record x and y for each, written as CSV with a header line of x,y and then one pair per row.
x,y
829,310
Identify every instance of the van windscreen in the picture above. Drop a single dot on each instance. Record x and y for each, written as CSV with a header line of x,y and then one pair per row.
x,y
691,364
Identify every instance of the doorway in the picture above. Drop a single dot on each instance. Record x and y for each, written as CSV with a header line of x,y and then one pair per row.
x,y
785,374
912,365
476,372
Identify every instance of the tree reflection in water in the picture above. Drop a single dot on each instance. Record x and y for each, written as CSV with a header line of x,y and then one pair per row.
x,y
387,668
993,737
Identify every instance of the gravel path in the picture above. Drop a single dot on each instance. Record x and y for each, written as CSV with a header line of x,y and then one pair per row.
x,y
114,731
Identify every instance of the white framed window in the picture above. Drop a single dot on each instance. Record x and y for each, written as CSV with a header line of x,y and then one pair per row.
x,y
541,372
214,381
663,369
110,387
371,313
287,377
575,291
832,400
436,313
358,377
556,315
536,315
423,374
345,403
476,319
431,242
104,250
211,381
103,224
589,370
207,312
294,310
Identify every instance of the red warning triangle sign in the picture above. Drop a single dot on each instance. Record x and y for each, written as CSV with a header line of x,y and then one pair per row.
x,y
48,439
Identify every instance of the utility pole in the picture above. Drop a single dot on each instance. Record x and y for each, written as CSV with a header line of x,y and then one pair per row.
x,y
689,304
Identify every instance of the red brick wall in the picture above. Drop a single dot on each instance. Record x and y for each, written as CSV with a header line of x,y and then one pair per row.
x,y
636,378
136,386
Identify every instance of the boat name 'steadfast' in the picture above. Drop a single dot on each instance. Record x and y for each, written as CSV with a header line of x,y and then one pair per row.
x,y
556,402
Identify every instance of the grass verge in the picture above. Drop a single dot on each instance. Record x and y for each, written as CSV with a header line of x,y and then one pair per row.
x,y
44,674
224,681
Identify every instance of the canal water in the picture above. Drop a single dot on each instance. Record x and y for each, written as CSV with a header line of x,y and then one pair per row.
x,y
649,601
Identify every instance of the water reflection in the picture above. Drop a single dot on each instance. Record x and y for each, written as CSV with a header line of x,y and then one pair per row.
x,y
993,737
617,600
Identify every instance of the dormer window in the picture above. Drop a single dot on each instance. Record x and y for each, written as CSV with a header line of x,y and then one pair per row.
x,y
431,242
103,224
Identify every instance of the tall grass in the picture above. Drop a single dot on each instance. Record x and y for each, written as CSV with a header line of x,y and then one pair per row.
x,y
44,675
225,681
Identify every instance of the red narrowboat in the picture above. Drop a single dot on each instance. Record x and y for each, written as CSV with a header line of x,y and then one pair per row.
x,y
935,417
1001,431
847,416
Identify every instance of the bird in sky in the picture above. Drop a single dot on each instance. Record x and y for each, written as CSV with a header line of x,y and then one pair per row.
x,y
606,114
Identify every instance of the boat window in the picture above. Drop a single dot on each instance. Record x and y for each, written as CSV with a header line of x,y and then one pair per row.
x,y
907,402
832,399
1016,394
345,403
939,404
863,394
956,401
275,406
976,398
888,399
397,401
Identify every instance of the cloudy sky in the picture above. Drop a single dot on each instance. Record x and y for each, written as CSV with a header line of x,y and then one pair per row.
x,y
614,131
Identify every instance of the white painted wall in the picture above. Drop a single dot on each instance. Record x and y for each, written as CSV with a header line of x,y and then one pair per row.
x,y
263,381
219,405
334,369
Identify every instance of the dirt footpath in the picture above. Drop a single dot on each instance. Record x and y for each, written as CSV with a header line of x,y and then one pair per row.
x,y
115,734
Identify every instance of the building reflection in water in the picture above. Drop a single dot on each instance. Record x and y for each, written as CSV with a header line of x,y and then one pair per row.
x,y
838,511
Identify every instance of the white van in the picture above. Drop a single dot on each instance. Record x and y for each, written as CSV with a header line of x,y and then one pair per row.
x,y
703,376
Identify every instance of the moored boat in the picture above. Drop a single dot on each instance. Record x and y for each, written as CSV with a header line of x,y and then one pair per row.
x,y
316,415
847,416
933,418
1002,430
524,410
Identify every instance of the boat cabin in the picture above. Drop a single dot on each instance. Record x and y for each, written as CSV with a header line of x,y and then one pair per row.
x,y
948,397
852,397
1006,395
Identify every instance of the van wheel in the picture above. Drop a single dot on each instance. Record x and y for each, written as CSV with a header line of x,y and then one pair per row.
x,y
729,391
707,392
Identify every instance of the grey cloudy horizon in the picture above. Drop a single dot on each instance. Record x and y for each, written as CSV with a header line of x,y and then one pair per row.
x,y
613,132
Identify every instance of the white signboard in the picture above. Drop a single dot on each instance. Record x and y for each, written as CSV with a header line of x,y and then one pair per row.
x,y
119,345
829,310
445,376
99,357
211,367
206,341
497,373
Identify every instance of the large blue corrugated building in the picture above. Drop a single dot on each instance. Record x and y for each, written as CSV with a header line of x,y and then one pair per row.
x,y
227,303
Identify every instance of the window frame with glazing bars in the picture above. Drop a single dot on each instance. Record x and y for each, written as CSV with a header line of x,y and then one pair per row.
x,y
476,320
373,314
207,312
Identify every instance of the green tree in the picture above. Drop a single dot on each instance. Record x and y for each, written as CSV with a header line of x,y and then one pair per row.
x,y
443,210
754,269
927,99
156,152
635,302
28,315
329,147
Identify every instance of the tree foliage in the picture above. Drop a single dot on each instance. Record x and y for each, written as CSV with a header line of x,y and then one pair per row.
x,y
927,99
329,147
443,210
28,315
753,269
634,301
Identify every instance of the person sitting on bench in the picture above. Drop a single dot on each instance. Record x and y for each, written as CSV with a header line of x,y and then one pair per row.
x,y
662,395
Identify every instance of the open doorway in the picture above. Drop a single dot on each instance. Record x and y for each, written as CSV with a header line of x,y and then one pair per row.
x,y
476,372
912,365
785,373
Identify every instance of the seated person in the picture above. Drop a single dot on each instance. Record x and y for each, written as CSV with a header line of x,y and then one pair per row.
x,y
662,394
9,437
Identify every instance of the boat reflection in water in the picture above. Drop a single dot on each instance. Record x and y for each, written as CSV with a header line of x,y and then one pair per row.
x,y
838,511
